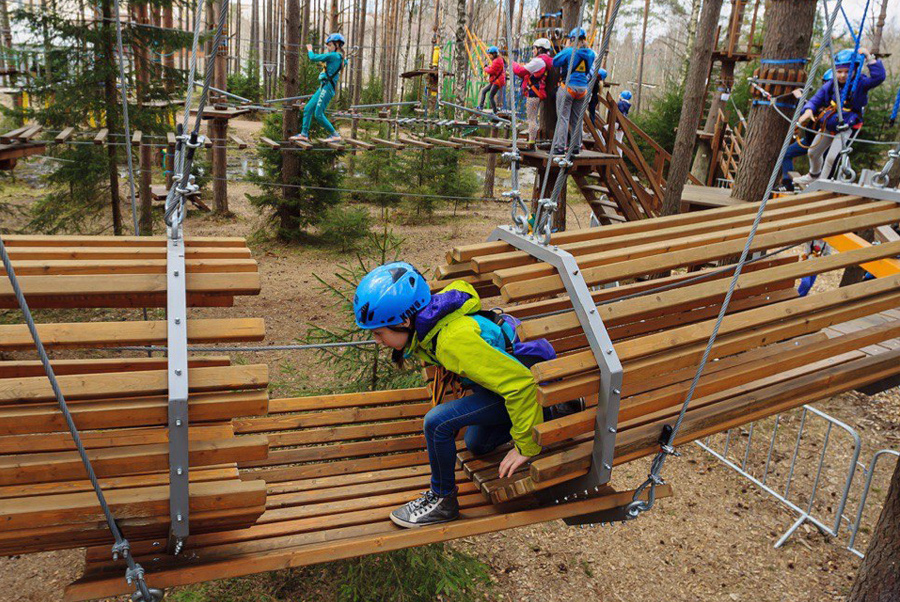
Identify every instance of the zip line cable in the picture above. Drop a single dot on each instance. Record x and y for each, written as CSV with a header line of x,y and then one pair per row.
x,y
668,447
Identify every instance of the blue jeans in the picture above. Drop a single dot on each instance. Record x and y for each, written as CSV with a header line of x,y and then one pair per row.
x,y
315,107
484,413
793,151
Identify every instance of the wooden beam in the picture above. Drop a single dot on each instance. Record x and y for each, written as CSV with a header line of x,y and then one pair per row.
x,y
64,135
101,136
239,141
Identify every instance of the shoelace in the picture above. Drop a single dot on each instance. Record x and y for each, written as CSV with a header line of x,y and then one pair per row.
x,y
428,498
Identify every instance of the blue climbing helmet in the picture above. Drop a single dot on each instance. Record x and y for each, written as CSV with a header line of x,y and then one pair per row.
x,y
602,73
388,295
335,37
847,58
828,76
578,33
493,50
625,95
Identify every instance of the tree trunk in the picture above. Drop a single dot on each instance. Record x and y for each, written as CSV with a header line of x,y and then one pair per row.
x,y
304,28
692,107
691,37
640,82
571,17
169,59
879,28
374,40
5,39
219,127
254,32
290,160
703,158
878,579
335,24
112,112
489,170
789,25
145,151
462,59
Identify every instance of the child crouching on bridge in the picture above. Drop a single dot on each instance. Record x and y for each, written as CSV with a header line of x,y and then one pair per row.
x,y
449,330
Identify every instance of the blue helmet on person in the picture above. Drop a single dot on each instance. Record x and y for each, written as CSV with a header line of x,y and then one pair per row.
x,y
335,37
828,76
578,33
846,58
602,73
493,50
390,294
625,95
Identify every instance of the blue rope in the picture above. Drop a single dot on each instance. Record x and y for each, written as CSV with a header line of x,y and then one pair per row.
x,y
845,93
896,107
782,61
849,25
783,105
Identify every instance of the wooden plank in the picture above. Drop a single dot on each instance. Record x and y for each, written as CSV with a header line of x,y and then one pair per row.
x,y
682,239
100,586
345,433
347,400
137,137
441,142
23,368
840,301
104,334
103,253
44,267
150,382
31,512
81,240
344,467
610,273
704,291
121,413
359,143
734,412
237,140
886,266
9,137
55,291
798,356
387,143
54,442
468,252
101,137
270,143
329,418
64,135
127,460
337,450
414,142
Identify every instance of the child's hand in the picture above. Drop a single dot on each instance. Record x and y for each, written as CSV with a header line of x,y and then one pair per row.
x,y
512,462
309,47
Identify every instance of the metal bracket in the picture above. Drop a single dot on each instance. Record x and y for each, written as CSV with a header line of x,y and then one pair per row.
x,y
883,194
602,348
176,318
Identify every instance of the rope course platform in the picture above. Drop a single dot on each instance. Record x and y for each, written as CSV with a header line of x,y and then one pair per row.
x,y
287,482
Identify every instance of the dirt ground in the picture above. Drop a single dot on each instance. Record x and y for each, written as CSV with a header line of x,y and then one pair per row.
x,y
712,541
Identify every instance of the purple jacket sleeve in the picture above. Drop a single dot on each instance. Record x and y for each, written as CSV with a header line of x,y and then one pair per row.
x,y
876,76
822,97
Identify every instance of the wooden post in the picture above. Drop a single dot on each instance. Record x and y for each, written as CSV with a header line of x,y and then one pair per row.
x,y
640,82
879,574
692,108
218,128
489,169
145,163
170,158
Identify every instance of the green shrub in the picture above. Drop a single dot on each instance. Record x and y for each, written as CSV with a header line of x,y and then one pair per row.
x,y
344,227
435,572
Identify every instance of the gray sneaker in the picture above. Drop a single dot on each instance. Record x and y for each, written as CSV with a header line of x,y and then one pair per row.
x,y
427,510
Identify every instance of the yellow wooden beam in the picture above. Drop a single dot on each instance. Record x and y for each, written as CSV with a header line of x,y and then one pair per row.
x,y
850,242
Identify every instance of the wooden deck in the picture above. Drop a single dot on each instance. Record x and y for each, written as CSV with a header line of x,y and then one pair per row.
x,y
696,198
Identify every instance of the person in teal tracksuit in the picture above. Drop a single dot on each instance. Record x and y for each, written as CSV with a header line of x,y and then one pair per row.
x,y
332,64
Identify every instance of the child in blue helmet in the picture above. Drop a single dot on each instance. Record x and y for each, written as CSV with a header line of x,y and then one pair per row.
x,y
799,148
822,110
449,330
332,64
595,96
573,93
496,73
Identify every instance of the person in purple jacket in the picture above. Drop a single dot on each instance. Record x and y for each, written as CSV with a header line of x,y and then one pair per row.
x,y
822,109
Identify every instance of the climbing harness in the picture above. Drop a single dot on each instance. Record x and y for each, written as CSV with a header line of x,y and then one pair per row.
x,y
669,436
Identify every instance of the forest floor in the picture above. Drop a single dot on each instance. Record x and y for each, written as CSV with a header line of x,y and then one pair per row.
x,y
712,541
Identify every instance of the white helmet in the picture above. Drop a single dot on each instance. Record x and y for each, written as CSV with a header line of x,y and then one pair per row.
x,y
542,43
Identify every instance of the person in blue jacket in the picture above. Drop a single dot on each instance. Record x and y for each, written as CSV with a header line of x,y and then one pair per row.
x,y
595,96
574,92
823,111
332,64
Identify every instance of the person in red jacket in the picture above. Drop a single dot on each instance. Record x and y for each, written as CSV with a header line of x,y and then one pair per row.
x,y
496,72
534,83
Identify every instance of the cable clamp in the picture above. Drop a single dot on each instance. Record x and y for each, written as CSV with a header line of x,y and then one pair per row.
x,y
121,548
563,162
512,156
135,574
200,141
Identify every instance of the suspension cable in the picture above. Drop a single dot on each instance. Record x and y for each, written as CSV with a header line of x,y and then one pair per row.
x,y
124,88
134,573
667,446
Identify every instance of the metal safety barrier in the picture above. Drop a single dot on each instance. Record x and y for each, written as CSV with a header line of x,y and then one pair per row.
x,y
792,495
869,472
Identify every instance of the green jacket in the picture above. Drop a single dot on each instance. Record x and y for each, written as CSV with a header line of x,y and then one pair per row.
x,y
473,347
